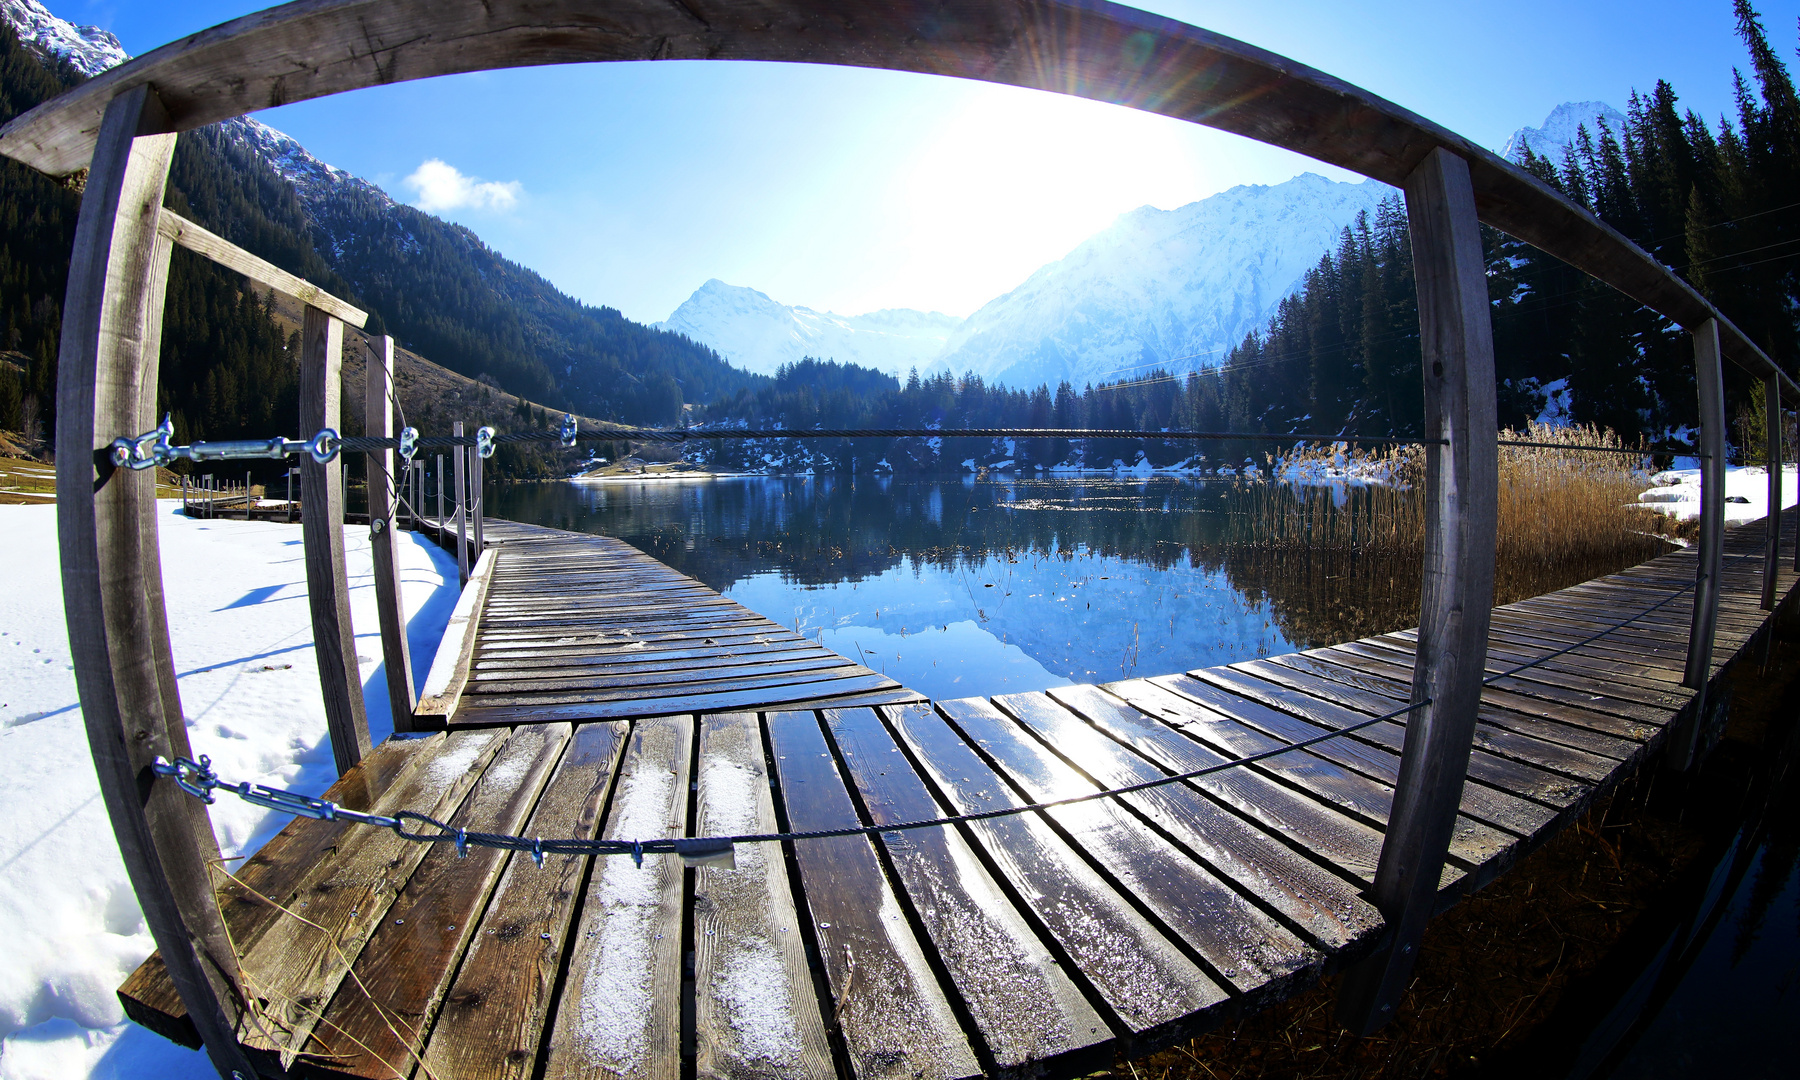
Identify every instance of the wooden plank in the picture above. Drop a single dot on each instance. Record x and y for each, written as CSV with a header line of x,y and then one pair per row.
x,y
296,965
578,688
1771,572
1153,989
1492,745
1323,906
492,1018
1509,795
376,1024
274,871
1380,663
378,421
107,540
721,700
1316,829
1199,712
1581,738
1248,951
888,1008
1032,1017
755,1009
450,664
322,529
227,254
1461,499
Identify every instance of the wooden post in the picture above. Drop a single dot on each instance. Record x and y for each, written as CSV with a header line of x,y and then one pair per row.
x,y
476,467
290,496
246,496
1461,497
322,528
440,497
1684,737
1772,544
111,565
378,420
462,547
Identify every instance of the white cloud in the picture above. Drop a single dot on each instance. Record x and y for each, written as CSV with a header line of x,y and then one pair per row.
x,y
440,187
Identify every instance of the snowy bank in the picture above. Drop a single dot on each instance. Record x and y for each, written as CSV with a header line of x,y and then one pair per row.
x,y
242,638
1677,492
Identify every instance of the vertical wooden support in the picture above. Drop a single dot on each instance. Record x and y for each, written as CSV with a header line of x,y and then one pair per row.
x,y
112,570
1684,746
378,418
1772,543
322,528
440,497
461,499
476,486
1461,497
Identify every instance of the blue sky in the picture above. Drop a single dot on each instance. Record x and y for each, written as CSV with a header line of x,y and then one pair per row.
x,y
851,190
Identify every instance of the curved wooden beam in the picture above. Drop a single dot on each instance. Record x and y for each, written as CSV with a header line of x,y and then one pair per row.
x,y
1087,48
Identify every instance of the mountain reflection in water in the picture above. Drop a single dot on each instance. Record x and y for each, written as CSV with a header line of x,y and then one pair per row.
x,y
984,587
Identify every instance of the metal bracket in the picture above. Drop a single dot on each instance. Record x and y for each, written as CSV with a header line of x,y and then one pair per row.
x,y
484,441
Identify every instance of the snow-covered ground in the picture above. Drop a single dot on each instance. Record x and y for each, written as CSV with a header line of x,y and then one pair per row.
x,y
1746,492
249,687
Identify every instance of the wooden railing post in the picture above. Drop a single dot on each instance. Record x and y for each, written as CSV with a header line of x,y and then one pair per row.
x,y
477,467
112,567
1684,737
1461,497
462,502
1772,438
322,528
440,497
378,417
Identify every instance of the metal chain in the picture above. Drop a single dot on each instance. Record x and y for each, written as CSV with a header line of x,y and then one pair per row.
x,y
199,780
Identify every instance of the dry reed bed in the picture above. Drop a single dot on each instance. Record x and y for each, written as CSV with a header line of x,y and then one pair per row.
x,y
1561,507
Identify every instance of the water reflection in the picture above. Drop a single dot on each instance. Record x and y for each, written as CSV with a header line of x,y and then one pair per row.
x,y
981,586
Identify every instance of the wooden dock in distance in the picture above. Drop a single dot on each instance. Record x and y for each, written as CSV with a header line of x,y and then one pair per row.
x,y
1038,944
579,627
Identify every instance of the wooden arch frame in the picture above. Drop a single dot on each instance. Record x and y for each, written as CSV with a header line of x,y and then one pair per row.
x,y
121,127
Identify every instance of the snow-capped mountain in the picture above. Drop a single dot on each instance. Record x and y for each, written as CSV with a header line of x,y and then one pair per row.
x,y
89,49
92,50
1560,127
760,334
1161,288
1175,288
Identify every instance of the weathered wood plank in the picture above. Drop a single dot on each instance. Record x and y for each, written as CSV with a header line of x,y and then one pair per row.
x,y
375,1026
111,565
322,529
378,421
296,965
755,1009
1250,952
449,673
274,872
889,1009
1154,990
1322,905
1031,1016
1316,829
492,1019
227,254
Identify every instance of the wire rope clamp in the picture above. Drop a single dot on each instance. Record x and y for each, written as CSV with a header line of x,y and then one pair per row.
x,y
324,446
409,443
537,851
484,441
569,429
699,851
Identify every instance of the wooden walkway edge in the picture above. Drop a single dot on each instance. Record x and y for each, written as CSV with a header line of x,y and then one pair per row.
x,y
1034,945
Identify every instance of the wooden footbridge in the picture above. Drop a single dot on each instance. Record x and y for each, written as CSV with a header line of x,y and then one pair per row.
x,y
1339,797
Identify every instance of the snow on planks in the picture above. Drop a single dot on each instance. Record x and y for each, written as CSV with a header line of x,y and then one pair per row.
x,y
1034,945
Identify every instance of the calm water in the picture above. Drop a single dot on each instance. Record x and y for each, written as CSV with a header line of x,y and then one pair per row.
x,y
973,587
